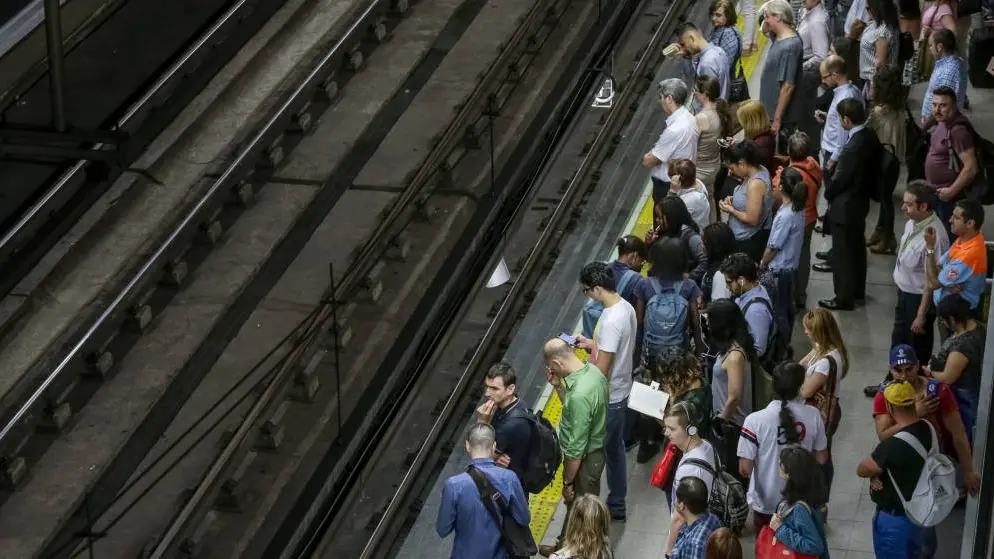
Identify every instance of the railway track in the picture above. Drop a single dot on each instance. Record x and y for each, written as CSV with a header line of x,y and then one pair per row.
x,y
99,401
430,409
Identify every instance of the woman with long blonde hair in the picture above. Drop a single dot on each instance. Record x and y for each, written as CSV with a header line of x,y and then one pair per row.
x,y
755,122
586,531
827,364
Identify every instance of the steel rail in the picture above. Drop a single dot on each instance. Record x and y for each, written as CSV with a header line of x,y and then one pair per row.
x,y
371,251
535,261
244,162
9,240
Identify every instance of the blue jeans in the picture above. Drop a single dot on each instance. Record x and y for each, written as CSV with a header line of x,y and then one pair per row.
x,y
615,461
968,402
895,537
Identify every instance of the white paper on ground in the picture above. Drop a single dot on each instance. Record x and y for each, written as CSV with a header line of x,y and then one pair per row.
x,y
648,399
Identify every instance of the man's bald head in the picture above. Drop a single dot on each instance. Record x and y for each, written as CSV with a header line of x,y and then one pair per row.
x,y
833,64
556,348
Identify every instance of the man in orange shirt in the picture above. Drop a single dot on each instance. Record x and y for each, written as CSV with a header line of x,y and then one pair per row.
x,y
799,150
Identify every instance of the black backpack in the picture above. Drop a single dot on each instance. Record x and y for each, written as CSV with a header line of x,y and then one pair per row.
x,y
517,539
544,453
777,349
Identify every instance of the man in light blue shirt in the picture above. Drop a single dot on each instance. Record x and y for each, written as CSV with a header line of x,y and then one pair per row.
x,y
708,59
477,534
834,136
742,279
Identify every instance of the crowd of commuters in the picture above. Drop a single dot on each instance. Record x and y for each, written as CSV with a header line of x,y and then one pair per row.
x,y
729,251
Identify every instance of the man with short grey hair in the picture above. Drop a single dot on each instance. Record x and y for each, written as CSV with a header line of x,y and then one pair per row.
x,y
783,62
462,509
679,138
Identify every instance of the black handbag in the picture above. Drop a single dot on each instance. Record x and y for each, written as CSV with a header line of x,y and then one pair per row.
x,y
738,87
518,540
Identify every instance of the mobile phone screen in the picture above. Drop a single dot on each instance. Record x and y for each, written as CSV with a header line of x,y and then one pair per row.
x,y
567,338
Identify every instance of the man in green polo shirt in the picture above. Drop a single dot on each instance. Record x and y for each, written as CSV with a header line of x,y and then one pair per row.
x,y
583,390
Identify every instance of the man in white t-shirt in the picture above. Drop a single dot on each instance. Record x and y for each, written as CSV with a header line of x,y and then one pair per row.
x,y
763,437
611,351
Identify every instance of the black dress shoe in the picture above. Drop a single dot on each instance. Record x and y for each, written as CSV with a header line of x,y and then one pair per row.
x,y
823,267
823,255
834,304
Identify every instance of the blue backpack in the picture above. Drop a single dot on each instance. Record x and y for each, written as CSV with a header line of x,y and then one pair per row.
x,y
665,319
593,309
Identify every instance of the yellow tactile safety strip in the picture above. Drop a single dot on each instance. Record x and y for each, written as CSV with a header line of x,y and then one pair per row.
x,y
543,505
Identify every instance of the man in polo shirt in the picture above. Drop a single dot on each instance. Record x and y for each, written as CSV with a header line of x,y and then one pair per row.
x,y
951,164
679,138
583,390
914,314
708,59
509,418
963,268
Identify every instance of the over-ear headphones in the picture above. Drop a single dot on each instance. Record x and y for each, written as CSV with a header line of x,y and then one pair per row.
x,y
691,412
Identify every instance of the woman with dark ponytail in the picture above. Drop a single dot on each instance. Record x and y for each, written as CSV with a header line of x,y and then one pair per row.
x,y
787,421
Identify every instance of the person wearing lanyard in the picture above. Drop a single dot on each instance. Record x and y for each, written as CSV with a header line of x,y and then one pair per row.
x,y
914,314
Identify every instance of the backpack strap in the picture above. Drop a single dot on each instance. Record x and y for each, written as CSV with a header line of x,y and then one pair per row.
x,y
700,463
656,286
626,278
914,443
766,303
833,372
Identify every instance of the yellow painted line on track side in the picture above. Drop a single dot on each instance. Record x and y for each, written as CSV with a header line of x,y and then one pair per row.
x,y
543,505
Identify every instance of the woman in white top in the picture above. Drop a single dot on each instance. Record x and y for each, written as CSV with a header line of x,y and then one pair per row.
x,y
683,429
828,352
786,421
587,531
878,43
685,184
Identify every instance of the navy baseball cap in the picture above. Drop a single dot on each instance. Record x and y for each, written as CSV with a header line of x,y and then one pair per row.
x,y
902,354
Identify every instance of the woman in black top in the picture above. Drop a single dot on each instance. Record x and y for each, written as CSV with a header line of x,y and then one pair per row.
x,y
671,218
960,357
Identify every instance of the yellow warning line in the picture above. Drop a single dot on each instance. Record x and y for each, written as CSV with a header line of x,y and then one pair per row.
x,y
543,505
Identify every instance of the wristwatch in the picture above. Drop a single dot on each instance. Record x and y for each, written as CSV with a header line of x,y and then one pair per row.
x,y
930,251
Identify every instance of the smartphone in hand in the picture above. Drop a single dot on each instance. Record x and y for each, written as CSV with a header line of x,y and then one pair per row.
x,y
568,339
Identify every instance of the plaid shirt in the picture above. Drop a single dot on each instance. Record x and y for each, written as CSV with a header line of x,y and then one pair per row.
x,y
730,41
949,71
692,540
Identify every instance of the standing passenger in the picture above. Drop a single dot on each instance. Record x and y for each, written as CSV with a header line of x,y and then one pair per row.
x,y
783,250
583,390
750,208
462,510
783,62
612,349
711,60
508,416
679,138
714,122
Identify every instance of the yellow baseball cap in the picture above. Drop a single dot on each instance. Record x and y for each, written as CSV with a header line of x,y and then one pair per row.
x,y
900,393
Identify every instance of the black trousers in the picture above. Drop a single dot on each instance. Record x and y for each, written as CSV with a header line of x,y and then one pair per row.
x,y
849,261
904,314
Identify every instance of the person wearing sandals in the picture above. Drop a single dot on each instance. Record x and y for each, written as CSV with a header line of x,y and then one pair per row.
x,y
799,524
586,531
825,366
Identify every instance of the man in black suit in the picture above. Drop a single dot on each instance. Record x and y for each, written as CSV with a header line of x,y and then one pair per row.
x,y
848,194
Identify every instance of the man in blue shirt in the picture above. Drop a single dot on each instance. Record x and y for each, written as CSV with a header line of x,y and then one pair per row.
x,y
477,535
691,521
741,277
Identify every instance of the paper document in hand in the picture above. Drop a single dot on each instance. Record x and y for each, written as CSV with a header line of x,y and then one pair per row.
x,y
648,400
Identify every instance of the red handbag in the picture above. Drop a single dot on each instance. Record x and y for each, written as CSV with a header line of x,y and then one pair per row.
x,y
665,470
767,547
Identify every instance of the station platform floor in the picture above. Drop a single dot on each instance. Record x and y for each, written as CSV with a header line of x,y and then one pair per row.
x,y
627,207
